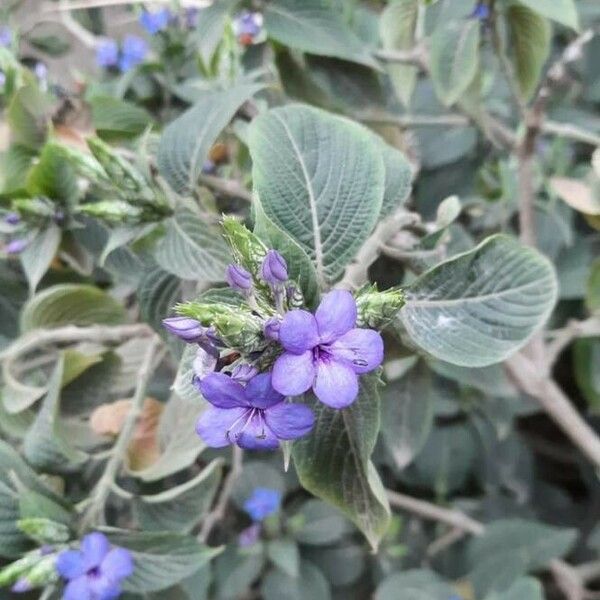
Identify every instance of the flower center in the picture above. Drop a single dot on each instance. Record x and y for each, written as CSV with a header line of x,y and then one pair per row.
x,y
94,572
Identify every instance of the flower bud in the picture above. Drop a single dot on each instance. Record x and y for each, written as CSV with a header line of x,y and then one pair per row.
x,y
21,586
246,248
12,218
376,309
115,211
240,330
244,372
238,278
189,330
274,268
16,246
271,328
44,531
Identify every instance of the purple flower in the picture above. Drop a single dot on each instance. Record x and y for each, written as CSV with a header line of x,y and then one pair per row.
x,y
12,218
5,37
192,332
107,53
21,586
246,26
16,246
2,78
153,22
208,167
481,12
249,536
191,17
133,52
244,373
95,571
262,503
271,328
274,268
325,351
254,417
238,278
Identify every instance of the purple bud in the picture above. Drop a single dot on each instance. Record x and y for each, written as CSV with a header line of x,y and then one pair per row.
x,y
107,53
189,330
46,549
274,268
481,12
191,17
5,37
22,585
16,246
2,78
12,218
249,536
238,278
271,328
244,373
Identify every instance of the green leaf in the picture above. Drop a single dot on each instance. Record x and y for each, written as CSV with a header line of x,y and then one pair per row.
x,y
39,254
192,249
180,508
592,293
179,443
397,25
398,177
50,44
586,358
320,524
530,36
71,304
161,559
481,306
35,505
116,119
45,446
321,179
313,26
510,548
414,584
28,116
526,588
407,414
53,177
300,267
235,572
14,166
561,11
284,554
186,141
309,585
342,565
210,25
157,293
454,58
256,474
333,462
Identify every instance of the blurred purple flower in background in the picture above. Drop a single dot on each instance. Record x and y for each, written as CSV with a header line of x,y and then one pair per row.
x,y
12,218
95,571
262,503
325,351
254,417
155,21
107,53
191,17
250,535
247,26
16,246
133,52
481,11
5,36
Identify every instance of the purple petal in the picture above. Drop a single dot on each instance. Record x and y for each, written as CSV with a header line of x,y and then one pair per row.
x,y
104,587
336,315
362,349
249,536
260,392
118,564
298,331
217,426
70,564
290,421
222,391
78,589
293,374
94,547
336,383
255,435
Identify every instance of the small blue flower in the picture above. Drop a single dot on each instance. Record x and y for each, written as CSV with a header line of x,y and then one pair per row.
x,y
247,26
133,52
480,12
107,53
95,571
5,37
262,503
153,22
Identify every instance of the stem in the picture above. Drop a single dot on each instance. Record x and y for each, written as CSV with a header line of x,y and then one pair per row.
x,y
552,399
571,131
228,187
107,484
218,512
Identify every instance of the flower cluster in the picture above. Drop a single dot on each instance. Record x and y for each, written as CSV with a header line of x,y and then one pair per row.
x,y
247,27
261,504
95,571
132,52
265,346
